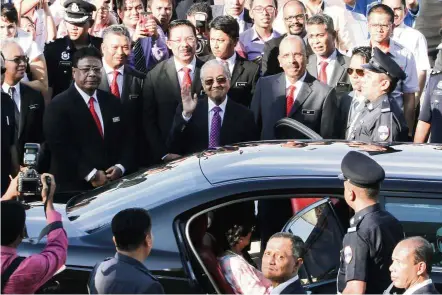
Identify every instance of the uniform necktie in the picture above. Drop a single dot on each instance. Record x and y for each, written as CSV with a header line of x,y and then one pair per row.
x,y
215,129
187,80
11,92
322,73
95,116
290,99
114,87
139,58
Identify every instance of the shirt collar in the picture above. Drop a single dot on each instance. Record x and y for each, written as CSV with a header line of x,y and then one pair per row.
x,y
179,66
281,287
240,17
86,96
417,286
298,83
373,105
6,87
129,260
332,56
8,250
108,70
222,106
360,215
255,35
231,60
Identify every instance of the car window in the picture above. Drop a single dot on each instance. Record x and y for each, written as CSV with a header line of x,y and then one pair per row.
x,y
420,217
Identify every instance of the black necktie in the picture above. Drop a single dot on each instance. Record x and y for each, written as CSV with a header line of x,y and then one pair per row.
x,y
139,58
16,111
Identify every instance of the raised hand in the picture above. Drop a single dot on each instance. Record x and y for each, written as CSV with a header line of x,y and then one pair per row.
x,y
189,102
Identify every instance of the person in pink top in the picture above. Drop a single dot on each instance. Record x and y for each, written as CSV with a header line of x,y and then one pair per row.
x,y
33,271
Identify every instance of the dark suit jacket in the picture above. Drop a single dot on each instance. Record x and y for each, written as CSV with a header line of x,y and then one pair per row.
x,y
133,109
270,62
340,79
294,288
75,143
30,128
315,106
218,10
238,125
8,138
428,289
344,104
244,77
162,95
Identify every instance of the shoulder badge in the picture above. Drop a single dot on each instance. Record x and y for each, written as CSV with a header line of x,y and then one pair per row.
x,y
74,7
385,107
383,132
65,55
348,254
435,72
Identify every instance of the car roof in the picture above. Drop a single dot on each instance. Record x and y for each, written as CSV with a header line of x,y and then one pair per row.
x,y
318,158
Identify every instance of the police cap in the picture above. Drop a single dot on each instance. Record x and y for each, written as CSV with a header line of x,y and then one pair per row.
x,y
78,11
381,62
361,170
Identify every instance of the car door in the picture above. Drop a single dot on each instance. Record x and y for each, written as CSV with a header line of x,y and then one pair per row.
x,y
321,228
288,128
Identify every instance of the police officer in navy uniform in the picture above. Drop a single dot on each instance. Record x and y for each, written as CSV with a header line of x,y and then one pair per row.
x,y
59,53
430,118
373,233
379,118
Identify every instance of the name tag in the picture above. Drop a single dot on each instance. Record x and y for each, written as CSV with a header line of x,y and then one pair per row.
x,y
34,106
343,85
308,112
7,120
65,63
241,84
133,96
437,92
116,119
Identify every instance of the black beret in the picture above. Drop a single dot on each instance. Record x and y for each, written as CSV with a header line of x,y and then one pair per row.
x,y
361,170
381,62
78,11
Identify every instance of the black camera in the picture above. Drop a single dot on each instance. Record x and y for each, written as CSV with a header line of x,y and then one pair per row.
x,y
29,182
202,45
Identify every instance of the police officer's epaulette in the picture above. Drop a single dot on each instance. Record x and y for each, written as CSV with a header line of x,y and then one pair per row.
x,y
385,107
435,72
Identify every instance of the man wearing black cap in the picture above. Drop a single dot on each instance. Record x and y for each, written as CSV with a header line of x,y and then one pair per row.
x,y
380,118
58,54
373,233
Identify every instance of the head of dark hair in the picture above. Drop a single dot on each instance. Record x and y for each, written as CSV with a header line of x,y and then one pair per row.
x,y
393,84
298,245
362,51
85,52
130,228
13,221
372,192
275,3
423,252
9,13
201,7
236,231
227,24
181,22
404,5
382,8
322,19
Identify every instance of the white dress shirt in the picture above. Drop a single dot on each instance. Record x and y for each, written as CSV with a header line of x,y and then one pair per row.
x,y
110,76
86,98
278,289
230,62
239,19
179,69
298,85
331,60
17,97
413,289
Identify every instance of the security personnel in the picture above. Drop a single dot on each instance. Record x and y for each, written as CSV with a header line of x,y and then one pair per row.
x,y
380,118
373,233
59,53
430,120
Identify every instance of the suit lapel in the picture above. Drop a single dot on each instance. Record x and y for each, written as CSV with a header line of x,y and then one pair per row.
x,y
196,82
338,70
279,104
172,79
238,69
126,84
303,94
105,113
228,124
104,84
83,110
311,66
203,125
25,102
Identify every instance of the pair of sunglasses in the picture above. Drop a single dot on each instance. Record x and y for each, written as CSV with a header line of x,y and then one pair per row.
x,y
219,80
359,72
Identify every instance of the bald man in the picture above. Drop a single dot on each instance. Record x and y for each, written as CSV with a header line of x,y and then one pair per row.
x,y
411,266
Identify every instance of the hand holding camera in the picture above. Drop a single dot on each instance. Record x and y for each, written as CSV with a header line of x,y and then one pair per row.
x,y
48,191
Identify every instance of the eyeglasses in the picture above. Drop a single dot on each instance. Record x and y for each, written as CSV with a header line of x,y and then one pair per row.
x,y
19,59
219,80
381,26
359,72
95,70
188,40
260,9
293,55
291,18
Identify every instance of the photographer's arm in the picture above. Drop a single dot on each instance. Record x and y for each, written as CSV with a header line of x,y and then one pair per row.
x,y
11,192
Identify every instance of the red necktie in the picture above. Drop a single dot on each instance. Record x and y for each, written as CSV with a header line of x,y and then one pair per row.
x,y
187,80
114,87
322,73
95,116
290,99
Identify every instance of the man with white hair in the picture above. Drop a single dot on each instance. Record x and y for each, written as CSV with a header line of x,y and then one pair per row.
x,y
211,121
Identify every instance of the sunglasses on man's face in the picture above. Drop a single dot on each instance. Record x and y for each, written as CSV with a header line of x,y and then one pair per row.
x,y
219,80
359,72
19,59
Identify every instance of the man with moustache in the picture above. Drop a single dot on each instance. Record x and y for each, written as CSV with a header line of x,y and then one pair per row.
x,y
213,121
162,87
235,8
162,12
124,83
263,13
294,16
86,130
59,53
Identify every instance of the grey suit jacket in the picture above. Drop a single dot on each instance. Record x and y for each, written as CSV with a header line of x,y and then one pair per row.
x,y
315,106
218,10
340,79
